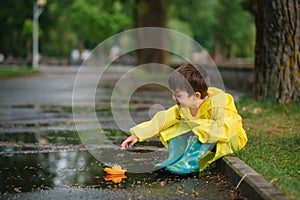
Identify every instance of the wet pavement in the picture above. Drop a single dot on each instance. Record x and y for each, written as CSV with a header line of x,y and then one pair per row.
x,y
43,157
61,174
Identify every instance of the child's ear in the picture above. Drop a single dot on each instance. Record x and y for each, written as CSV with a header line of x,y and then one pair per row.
x,y
198,95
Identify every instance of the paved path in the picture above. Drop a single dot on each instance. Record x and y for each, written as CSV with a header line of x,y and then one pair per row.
x,y
42,156
43,99
36,100
53,86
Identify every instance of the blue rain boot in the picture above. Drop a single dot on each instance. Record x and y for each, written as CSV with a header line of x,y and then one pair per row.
x,y
176,148
189,161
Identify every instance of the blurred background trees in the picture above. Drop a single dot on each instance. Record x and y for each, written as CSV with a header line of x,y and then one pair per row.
x,y
225,28
66,25
230,31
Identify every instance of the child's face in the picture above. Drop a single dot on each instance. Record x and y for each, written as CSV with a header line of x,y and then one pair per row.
x,y
183,99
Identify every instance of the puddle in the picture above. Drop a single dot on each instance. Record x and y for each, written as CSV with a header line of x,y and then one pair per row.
x,y
46,171
28,165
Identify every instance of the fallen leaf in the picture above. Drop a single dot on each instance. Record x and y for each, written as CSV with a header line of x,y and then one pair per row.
x,y
273,180
257,110
195,193
163,183
17,190
180,192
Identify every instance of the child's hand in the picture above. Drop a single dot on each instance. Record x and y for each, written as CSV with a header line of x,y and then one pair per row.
x,y
129,142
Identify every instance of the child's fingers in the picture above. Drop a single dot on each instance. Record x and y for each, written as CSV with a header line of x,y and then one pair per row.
x,y
129,142
123,147
124,144
132,143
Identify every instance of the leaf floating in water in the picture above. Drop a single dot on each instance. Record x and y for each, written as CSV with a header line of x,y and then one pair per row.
x,y
116,169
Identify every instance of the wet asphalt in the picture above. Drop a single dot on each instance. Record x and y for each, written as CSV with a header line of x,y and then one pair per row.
x,y
44,157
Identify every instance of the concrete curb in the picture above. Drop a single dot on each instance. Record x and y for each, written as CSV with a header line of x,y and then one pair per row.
x,y
251,184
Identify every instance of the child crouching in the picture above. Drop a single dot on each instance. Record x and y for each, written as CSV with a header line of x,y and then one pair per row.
x,y
202,127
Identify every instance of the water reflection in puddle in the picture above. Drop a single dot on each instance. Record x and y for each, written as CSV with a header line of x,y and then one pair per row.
x,y
45,171
26,165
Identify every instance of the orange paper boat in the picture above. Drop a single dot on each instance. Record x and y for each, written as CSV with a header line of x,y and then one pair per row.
x,y
116,178
115,170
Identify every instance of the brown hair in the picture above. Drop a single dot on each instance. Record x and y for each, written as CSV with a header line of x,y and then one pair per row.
x,y
190,77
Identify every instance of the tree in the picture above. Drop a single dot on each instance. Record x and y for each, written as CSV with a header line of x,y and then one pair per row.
x,y
27,34
225,28
149,13
12,18
199,25
277,57
58,38
95,21
235,30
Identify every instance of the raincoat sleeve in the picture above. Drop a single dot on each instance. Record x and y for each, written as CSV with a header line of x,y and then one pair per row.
x,y
222,122
160,121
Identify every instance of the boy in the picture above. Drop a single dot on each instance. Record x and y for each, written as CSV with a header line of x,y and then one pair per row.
x,y
202,127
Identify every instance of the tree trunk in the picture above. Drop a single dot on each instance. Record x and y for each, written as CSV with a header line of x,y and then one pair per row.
x,y
277,57
218,52
150,13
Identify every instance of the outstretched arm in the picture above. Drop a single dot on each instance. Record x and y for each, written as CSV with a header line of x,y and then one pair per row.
x,y
149,129
160,121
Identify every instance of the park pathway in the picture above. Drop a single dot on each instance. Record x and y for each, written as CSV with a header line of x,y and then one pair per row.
x,y
42,156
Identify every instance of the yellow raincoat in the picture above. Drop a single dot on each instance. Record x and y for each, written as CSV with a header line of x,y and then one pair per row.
x,y
216,121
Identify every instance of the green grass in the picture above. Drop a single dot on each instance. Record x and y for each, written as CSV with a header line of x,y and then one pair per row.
x,y
8,72
273,149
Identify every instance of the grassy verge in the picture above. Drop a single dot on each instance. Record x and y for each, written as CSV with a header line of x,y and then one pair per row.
x,y
273,149
7,72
